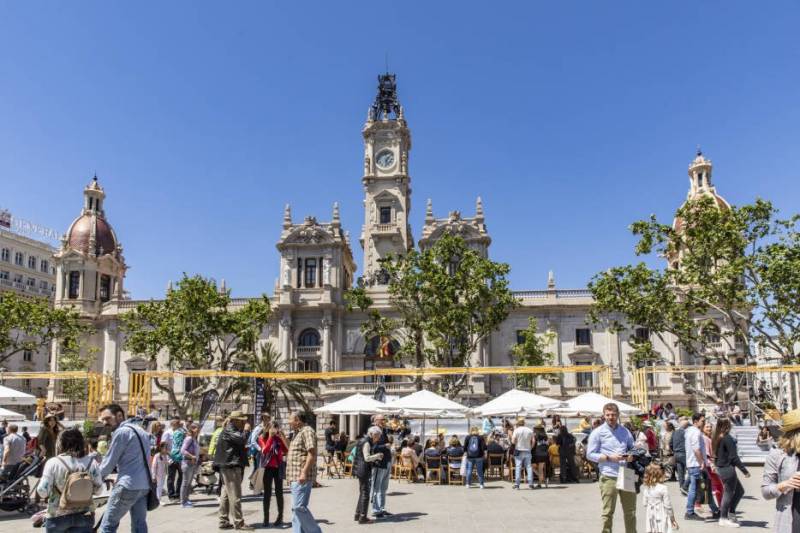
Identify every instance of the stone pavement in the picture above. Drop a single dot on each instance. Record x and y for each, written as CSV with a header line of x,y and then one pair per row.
x,y
438,509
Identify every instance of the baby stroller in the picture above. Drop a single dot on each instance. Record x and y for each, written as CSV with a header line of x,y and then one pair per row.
x,y
15,491
206,477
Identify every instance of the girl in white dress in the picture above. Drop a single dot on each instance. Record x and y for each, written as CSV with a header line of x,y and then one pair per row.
x,y
659,517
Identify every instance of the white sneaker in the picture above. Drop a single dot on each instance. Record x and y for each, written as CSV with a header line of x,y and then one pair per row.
x,y
724,522
481,486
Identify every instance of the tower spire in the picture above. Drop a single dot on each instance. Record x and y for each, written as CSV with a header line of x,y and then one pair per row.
x,y
429,211
479,209
287,217
336,221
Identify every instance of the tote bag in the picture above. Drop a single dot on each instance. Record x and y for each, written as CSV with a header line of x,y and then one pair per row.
x,y
626,479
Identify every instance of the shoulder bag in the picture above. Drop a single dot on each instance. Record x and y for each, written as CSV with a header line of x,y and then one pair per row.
x,y
153,498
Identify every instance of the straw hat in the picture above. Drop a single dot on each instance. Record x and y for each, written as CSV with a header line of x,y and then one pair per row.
x,y
237,415
790,421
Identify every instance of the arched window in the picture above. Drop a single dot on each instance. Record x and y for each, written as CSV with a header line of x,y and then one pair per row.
x,y
308,338
382,347
711,334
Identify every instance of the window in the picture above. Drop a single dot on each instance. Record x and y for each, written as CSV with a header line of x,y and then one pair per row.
x,y
191,383
382,347
584,379
105,288
386,215
43,285
44,266
642,334
4,274
583,337
27,384
309,337
711,334
18,258
27,356
6,255
32,262
74,284
299,272
308,365
18,278
31,283
520,336
311,272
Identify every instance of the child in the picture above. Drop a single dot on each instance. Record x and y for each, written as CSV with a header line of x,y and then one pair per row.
x,y
659,517
159,466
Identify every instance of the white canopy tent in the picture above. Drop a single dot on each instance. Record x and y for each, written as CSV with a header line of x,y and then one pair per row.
x,y
11,416
517,403
10,396
357,404
426,404
591,403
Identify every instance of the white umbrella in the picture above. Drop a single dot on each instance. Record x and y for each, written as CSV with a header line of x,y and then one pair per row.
x,y
357,404
12,396
11,416
517,402
426,403
591,403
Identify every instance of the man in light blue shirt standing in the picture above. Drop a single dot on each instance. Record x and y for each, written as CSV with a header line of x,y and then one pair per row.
x,y
609,447
133,476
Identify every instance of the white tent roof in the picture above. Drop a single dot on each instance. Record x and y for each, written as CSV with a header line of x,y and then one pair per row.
x,y
11,416
591,403
11,396
517,402
425,403
357,404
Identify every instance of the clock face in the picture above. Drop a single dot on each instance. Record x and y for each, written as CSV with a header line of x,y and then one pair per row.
x,y
385,159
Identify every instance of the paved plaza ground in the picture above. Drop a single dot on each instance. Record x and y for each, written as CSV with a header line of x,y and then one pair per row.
x,y
438,509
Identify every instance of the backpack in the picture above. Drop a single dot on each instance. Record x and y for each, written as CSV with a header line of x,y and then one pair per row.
x,y
474,446
177,443
78,489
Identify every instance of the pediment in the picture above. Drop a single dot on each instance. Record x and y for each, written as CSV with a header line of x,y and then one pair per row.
x,y
309,235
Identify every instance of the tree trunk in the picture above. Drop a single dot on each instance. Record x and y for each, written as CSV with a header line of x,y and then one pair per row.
x,y
419,357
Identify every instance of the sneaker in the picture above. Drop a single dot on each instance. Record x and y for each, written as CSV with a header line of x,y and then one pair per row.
x,y
480,486
724,522
226,525
515,486
244,527
715,516
469,486
693,516
365,520
187,505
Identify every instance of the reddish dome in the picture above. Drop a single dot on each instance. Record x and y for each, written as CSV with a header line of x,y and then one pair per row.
x,y
80,233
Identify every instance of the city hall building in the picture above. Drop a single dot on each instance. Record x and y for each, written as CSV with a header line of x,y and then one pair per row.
x,y
310,321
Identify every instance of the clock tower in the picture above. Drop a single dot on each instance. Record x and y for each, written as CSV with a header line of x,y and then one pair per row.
x,y
387,190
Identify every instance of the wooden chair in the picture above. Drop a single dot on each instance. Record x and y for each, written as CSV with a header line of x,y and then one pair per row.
x,y
348,467
453,472
433,470
406,470
332,467
495,466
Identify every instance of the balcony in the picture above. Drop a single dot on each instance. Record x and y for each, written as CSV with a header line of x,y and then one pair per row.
x,y
385,229
308,351
368,388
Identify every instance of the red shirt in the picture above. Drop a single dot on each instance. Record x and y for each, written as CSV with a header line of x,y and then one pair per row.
x,y
278,447
652,442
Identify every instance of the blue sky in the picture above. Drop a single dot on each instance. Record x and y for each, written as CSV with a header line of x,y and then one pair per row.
x,y
570,119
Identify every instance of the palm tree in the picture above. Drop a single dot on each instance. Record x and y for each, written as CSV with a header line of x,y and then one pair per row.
x,y
269,360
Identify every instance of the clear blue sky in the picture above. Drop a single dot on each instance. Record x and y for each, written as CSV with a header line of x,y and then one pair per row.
x,y
570,119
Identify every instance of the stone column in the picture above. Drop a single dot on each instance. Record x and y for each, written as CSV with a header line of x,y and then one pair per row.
x,y
286,336
353,426
327,362
110,359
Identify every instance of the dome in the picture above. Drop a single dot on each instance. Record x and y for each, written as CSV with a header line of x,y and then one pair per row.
x,y
80,233
721,203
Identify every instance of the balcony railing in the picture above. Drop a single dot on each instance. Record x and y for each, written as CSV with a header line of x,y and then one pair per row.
x,y
385,228
307,351
558,293
369,388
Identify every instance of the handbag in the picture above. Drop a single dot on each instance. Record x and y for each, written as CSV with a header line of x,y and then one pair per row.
x,y
626,479
153,500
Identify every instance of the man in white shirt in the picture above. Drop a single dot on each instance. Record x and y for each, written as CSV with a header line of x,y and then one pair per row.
x,y
522,439
695,466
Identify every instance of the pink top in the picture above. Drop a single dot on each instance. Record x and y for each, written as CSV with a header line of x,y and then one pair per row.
x,y
159,465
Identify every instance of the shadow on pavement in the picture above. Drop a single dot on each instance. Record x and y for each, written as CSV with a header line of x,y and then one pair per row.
x,y
753,523
401,517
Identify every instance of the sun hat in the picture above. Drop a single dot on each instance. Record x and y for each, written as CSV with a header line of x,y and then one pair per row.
x,y
790,421
237,415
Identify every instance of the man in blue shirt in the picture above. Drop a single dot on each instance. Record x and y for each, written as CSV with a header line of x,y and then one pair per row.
x,y
133,475
609,447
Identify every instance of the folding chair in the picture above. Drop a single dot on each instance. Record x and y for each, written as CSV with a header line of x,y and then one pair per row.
x,y
433,470
454,472
495,466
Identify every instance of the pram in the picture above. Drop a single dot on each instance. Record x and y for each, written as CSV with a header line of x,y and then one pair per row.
x,y
15,492
206,477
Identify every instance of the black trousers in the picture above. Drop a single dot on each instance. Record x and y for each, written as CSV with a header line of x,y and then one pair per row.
x,y
680,470
174,474
362,507
567,469
732,493
272,477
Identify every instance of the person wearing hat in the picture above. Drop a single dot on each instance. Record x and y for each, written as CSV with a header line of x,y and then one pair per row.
x,y
231,458
781,480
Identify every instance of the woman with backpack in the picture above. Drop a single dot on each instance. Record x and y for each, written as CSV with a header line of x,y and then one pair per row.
x,y
541,454
476,450
69,482
362,468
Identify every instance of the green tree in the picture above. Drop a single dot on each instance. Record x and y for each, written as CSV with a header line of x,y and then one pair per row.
x,y
73,357
197,327
532,351
741,264
33,324
268,360
444,302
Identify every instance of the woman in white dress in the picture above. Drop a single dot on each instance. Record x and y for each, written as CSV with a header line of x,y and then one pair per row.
x,y
659,517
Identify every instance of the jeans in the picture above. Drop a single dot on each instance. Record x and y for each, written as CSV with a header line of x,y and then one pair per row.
x,y
694,476
474,463
733,491
120,502
187,471
302,521
608,495
680,469
522,458
174,488
380,483
272,476
71,523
